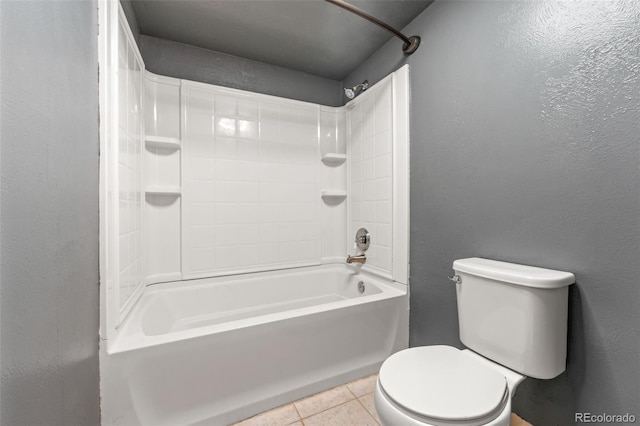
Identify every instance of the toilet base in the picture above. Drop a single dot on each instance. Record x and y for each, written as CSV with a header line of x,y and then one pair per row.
x,y
392,415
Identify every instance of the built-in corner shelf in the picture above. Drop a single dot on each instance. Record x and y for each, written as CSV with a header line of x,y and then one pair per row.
x,y
162,142
333,158
335,195
163,190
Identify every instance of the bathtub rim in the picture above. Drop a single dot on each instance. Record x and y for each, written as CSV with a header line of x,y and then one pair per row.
x,y
130,337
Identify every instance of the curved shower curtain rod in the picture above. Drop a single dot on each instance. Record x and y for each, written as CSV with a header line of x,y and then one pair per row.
x,y
410,43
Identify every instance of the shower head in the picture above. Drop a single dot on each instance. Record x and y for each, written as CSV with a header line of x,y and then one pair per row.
x,y
352,92
349,93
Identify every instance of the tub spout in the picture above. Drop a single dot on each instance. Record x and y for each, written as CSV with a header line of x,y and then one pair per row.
x,y
361,258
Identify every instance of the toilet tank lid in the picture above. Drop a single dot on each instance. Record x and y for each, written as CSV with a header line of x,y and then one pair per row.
x,y
529,276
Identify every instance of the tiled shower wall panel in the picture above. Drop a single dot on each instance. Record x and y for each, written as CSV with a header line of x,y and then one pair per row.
x,y
333,177
162,246
370,142
250,182
130,139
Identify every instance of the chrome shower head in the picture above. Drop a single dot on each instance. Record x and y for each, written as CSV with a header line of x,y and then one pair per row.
x,y
349,93
352,92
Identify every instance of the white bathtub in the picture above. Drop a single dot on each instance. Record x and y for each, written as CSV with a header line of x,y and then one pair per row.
x,y
214,351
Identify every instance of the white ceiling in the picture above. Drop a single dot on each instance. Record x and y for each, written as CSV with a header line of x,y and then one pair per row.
x,y
312,36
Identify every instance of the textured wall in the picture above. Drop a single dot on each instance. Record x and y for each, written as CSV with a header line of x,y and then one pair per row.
x,y
127,8
49,213
525,128
192,63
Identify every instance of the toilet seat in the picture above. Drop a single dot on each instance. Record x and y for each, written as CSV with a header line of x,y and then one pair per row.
x,y
440,385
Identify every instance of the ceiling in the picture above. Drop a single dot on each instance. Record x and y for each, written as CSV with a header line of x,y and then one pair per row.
x,y
312,36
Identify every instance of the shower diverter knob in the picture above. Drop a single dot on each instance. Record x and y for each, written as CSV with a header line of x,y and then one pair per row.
x,y
363,239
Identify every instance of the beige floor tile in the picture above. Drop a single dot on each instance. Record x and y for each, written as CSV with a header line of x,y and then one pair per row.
x,y
363,386
518,421
322,401
368,402
297,424
350,413
280,416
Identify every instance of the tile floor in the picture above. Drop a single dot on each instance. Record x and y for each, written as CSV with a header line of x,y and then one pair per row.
x,y
350,404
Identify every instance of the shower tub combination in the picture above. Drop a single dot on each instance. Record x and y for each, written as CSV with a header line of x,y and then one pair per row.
x,y
213,351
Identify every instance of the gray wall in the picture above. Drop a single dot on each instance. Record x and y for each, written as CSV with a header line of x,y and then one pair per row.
x,y
525,147
49,213
127,8
179,60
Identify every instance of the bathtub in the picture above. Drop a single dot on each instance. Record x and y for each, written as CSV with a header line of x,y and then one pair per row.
x,y
217,350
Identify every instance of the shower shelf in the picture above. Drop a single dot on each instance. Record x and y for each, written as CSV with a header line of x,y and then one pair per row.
x,y
162,142
333,158
164,190
333,194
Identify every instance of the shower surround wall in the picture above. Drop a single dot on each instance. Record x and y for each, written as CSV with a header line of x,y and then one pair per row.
x,y
121,87
129,156
240,182
162,164
378,194
251,182
244,182
248,182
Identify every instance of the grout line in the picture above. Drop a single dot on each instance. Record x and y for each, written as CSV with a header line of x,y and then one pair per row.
x,y
299,420
296,408
327,409
365,408
346,385
367,411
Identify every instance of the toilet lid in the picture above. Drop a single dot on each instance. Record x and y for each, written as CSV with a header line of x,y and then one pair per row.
x,y
442,383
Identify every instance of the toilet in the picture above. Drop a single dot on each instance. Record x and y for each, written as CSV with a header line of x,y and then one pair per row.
x,y
513,321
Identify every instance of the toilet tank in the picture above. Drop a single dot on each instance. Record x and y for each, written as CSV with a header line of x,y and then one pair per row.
x,y
515,315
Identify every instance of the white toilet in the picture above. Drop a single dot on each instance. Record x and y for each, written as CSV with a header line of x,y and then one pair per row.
x,y
513,319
